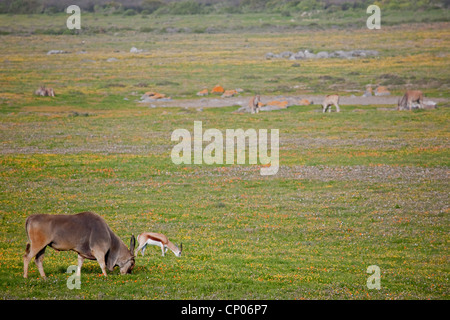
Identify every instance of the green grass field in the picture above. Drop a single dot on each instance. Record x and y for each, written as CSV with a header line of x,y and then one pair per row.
x,y
362,187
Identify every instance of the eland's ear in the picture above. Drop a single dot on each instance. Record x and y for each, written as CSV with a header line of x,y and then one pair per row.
x,y
132,244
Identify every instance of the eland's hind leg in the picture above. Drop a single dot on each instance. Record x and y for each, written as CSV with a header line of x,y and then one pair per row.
x,y
26,260
39,258
30,252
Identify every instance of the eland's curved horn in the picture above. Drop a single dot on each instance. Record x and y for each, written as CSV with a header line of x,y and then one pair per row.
x,y
132,243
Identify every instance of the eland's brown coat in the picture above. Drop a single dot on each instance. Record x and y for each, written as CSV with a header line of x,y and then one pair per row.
x,y
85,233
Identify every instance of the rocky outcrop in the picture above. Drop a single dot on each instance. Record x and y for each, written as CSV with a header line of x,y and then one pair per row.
x,y
306,54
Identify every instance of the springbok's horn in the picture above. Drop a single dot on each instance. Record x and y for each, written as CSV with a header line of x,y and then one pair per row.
x,y
181,246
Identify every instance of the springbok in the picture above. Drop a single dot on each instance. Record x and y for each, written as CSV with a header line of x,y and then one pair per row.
x,y
254,103
332,99
156,239
85,233
45,92
409,97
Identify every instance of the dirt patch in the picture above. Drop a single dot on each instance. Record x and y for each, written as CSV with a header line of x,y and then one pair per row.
x,y
243,101
378,173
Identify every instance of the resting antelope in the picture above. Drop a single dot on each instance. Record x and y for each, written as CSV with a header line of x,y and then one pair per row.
x,y
254,103
43,91
329,100
85,233
156,239
409,97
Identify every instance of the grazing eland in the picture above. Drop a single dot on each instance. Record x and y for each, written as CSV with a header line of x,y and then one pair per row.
x,y
85,233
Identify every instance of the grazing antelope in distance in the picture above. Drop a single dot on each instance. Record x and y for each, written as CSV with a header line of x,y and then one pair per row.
x,y
409,97
43,91
254,103
332,99
156,239
85,233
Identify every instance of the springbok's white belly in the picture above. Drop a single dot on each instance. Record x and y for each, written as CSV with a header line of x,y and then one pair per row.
x,y
154,243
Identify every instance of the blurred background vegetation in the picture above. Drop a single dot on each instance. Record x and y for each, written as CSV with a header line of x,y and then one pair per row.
x,y
181,7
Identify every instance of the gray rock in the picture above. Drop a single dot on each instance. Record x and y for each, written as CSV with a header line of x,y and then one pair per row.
x,y
286,54
306,54
363,53
270,108
146,99
309,55
322,55
243,109
428,104
382,91
371,52
380,94
358,53
172,30
344,54
297,56
56,52
135,50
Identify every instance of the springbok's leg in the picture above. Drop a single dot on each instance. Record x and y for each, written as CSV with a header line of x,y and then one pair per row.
x,y
139,248
143,249
337,108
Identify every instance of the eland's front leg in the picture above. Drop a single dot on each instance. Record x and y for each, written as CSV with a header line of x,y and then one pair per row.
x,y
80,263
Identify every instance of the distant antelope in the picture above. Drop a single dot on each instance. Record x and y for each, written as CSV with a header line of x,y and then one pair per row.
x,y
254,103
329,100
156,239
45,92
409,97
85,233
